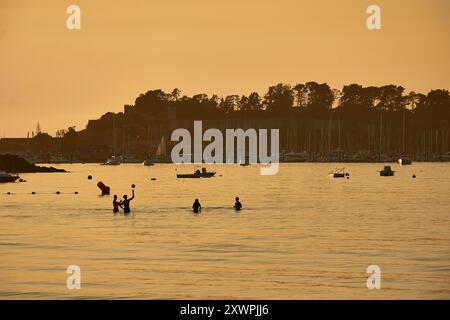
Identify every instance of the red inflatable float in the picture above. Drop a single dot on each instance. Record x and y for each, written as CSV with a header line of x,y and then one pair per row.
x,y
105,189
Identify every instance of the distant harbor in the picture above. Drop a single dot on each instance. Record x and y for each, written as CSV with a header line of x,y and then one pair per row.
x,y
316,124
290,157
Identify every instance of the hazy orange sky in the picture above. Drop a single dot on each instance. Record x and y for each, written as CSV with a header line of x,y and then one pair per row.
x,y
62,78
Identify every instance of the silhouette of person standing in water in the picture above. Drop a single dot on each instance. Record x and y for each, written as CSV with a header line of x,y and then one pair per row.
x,y
116,204
237,204
125,204
197,207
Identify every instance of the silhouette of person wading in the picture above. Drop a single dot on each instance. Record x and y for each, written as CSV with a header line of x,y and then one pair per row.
x,y
116,204
125,205
196,207
237,205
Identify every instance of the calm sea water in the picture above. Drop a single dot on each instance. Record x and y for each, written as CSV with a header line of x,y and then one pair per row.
x,y
301,234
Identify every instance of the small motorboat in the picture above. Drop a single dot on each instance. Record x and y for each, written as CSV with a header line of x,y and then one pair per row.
x,y
246,162
6,177
339,173
148,163
113,161
387,172
197,174
404,161
189,175
445,156
206,174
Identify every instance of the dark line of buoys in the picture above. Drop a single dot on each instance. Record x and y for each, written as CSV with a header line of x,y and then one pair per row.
x,y
34,192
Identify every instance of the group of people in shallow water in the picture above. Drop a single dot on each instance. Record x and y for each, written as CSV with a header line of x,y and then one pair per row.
x,y
125,204
197,207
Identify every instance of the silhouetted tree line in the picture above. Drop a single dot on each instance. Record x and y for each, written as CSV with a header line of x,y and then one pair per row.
x,y
379,119
353,100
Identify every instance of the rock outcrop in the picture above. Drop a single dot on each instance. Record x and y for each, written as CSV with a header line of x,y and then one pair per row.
x,y
15,164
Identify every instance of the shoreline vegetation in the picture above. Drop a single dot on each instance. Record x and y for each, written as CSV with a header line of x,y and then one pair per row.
x,y
317,124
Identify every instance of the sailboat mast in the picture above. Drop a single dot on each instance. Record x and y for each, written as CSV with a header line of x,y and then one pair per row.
x,y
123,143
339,133
403,136
149,137
114,137
329,132
381,133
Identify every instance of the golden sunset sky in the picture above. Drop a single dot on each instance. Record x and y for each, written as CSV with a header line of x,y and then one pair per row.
x,y
62,78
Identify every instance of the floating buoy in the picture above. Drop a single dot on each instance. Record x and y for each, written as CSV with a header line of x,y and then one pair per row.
x,y
414,176
76,192
33,192
105,189
8,193
57,192
133,186
152,179
89,177
348,177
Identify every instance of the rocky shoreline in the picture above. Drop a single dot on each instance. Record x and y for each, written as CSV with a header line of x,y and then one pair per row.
x,y
15,164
